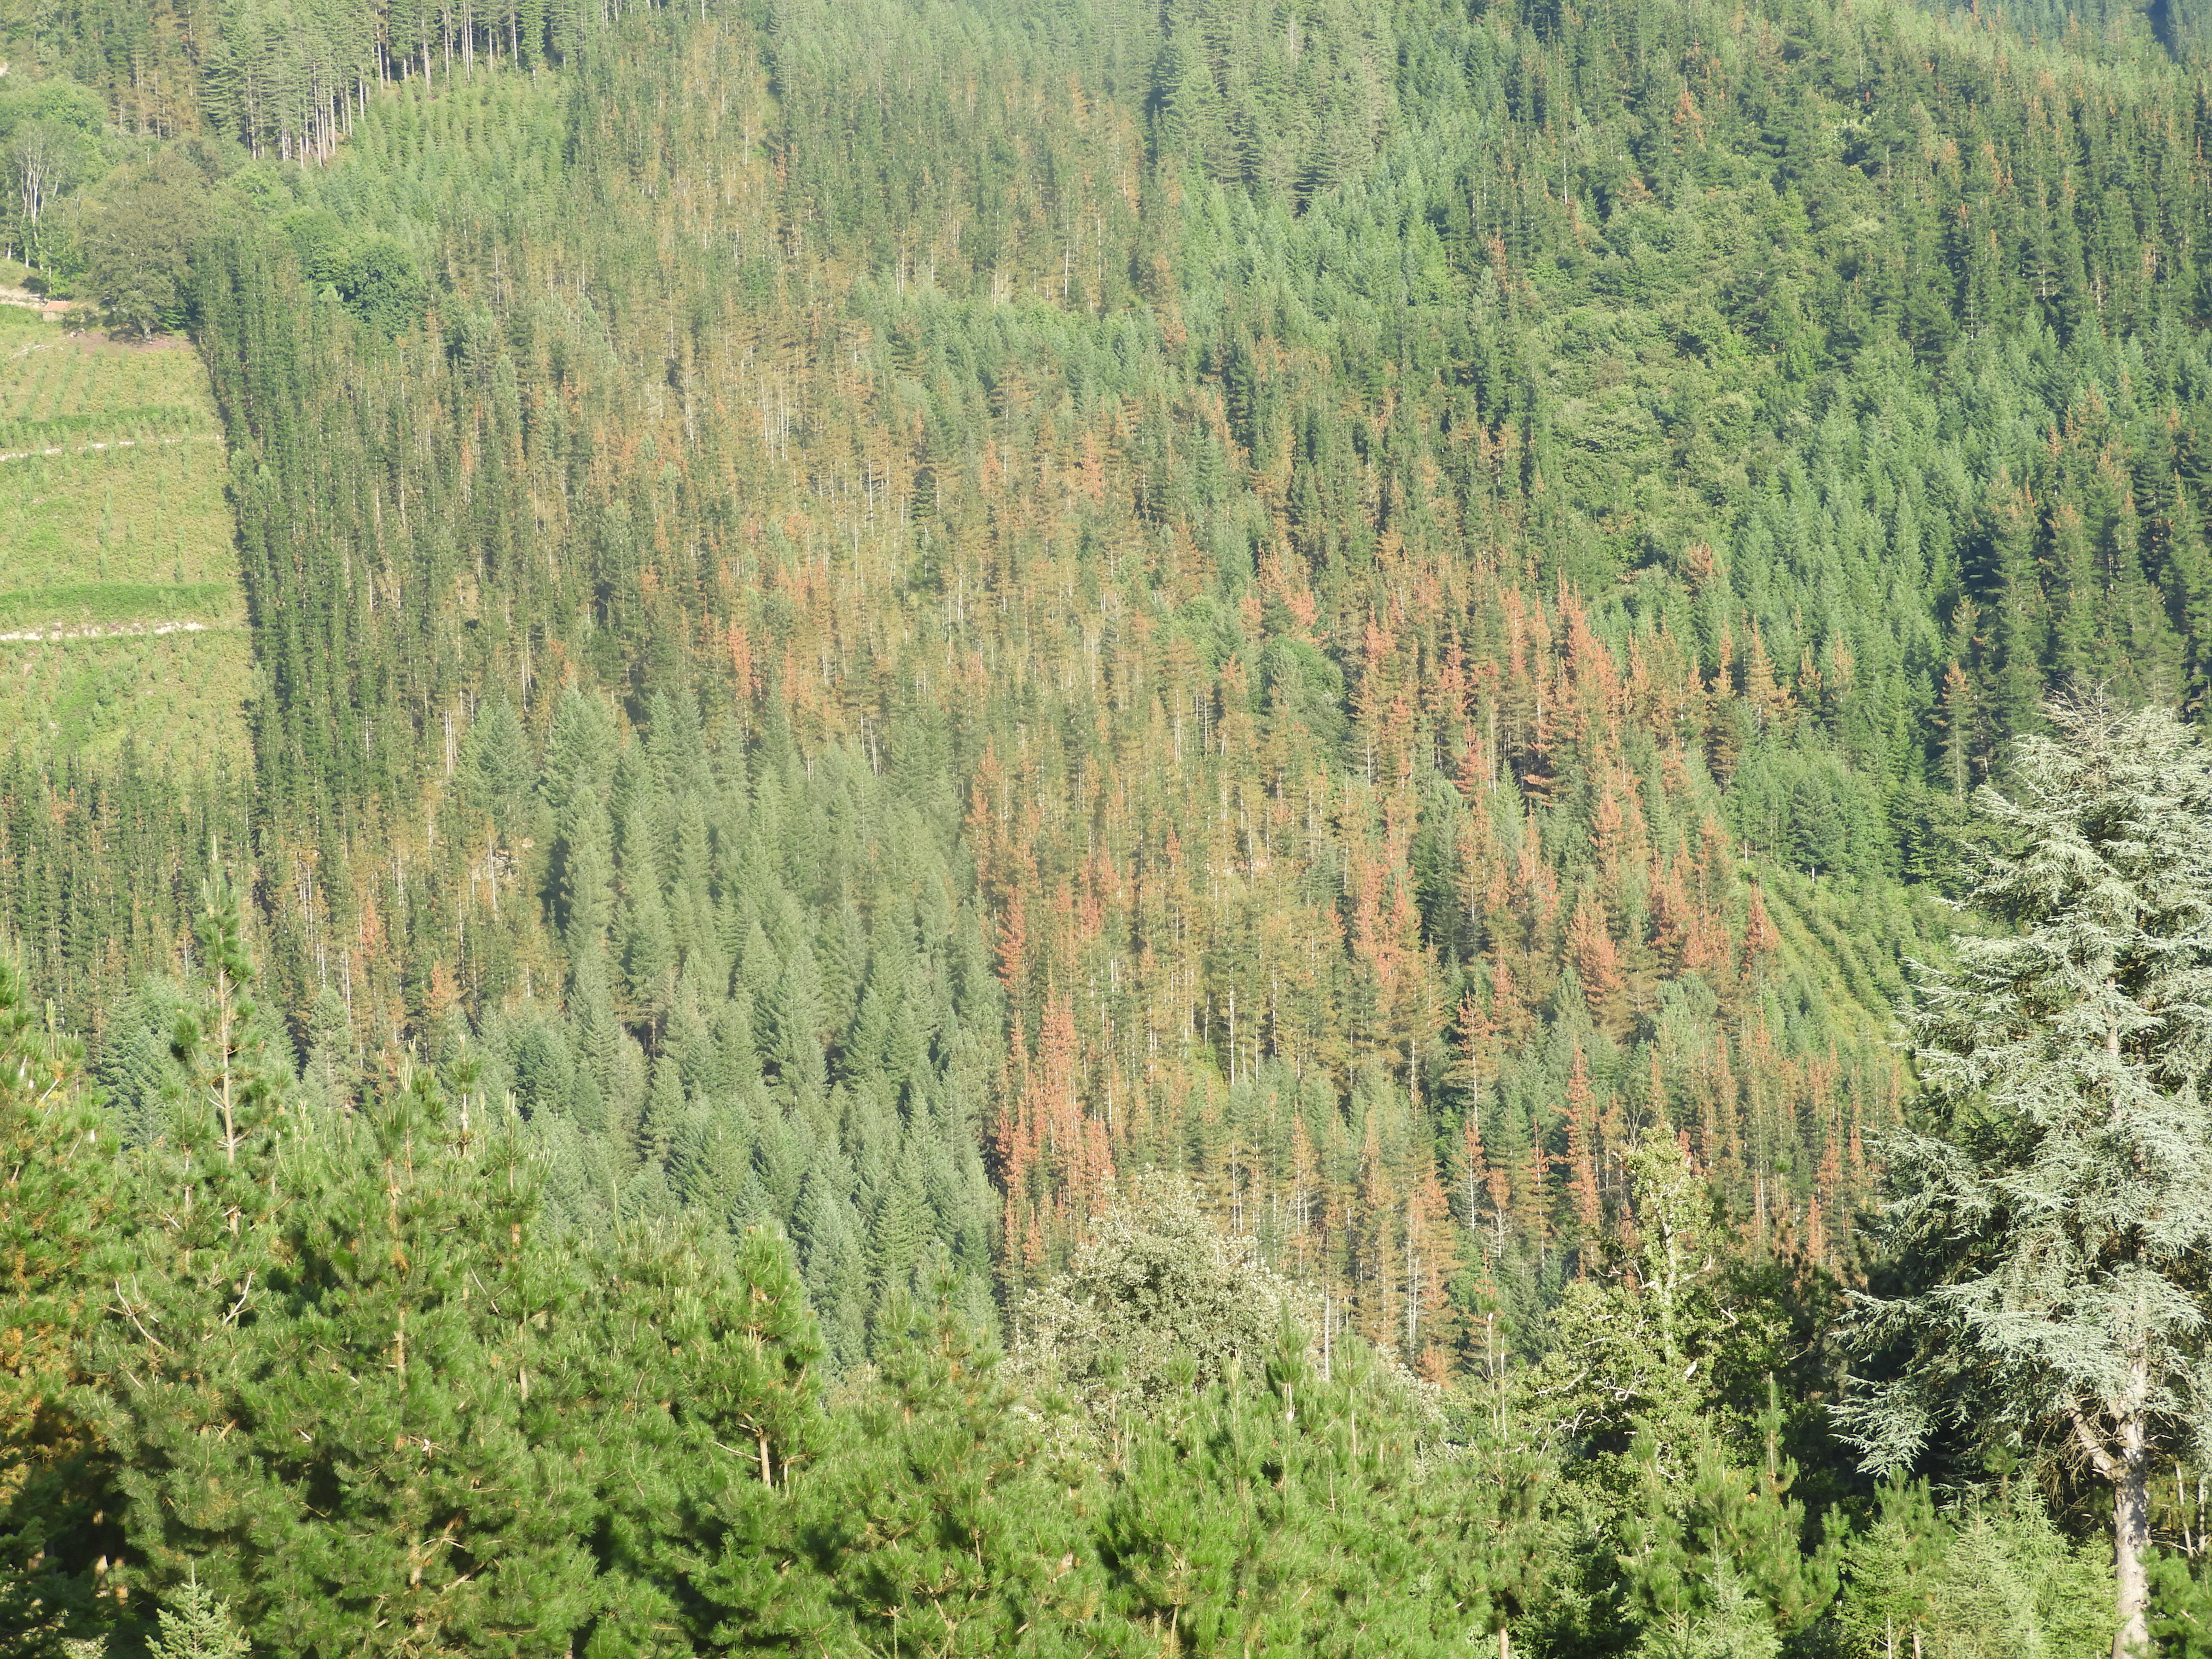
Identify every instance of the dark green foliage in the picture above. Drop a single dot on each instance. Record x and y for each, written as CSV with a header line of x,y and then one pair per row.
x,y
373,272
701,1416
361,1390
380,284
59,1202
137,247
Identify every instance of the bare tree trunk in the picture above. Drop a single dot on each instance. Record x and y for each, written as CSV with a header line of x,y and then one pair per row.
x,y
222,1043
2132,1542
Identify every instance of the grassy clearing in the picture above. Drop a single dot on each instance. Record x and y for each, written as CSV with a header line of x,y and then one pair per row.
x,y
179,693
47,374
147,513
93,603
114,515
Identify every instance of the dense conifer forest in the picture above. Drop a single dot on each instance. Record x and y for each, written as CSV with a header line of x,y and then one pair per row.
x,y
1236,826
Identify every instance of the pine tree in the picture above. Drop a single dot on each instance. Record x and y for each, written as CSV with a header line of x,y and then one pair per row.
x,y
1279,1510
233,1069
358,1432
944,1525
1696,1534
60,1212
707,1358
1726,1623
1987,1575
198,1626
180,1323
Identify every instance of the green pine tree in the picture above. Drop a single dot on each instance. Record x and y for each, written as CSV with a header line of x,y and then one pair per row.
x,y
61,1210
195,1625
947,1524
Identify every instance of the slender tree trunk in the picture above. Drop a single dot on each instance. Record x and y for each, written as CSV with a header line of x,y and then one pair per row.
x,y
2131,1543
229,1126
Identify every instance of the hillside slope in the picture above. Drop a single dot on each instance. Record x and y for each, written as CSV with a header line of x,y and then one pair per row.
x,y
121,617
890,613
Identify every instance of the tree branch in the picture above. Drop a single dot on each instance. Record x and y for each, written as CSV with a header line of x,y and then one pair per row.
x,y
2092,1445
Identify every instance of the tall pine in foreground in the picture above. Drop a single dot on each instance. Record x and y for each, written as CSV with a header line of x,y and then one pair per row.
x,y
360,1391
2054,1209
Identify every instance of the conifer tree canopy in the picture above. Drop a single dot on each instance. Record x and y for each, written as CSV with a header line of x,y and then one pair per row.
x,y
1255,698
2054,1210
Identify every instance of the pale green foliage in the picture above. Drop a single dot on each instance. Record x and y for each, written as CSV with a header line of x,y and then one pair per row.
x,y
2054,1214
2060,1201
1992,1581
1632,1353
1160,1300
1730,1624
198,1627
